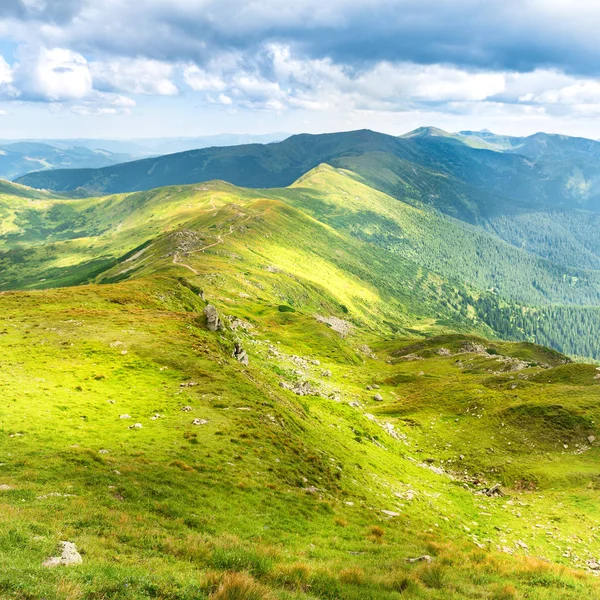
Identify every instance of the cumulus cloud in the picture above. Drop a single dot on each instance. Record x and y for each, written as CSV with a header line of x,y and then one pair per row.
x,y
53,75
134,76
523,57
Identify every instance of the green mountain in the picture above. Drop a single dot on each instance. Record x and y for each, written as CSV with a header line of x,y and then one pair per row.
x,y
382,442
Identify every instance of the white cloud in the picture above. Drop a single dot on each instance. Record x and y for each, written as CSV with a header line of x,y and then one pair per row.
x,y
54,75
200,80
134,76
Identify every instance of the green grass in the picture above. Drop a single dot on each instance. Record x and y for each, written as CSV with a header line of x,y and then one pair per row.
x,y
278,495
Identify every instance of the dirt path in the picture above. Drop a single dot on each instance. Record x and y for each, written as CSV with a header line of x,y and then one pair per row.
x,y
220,240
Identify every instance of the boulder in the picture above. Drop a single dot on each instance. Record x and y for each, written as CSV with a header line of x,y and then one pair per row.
x,y
213,322
240,354
378,398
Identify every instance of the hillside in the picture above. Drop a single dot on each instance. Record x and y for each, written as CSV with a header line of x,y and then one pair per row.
x,y
475,279
352,458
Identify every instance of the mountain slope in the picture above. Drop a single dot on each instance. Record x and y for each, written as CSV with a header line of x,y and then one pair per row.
x,y
364,434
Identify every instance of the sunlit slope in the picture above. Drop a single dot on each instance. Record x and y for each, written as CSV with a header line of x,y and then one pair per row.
x,y
312,496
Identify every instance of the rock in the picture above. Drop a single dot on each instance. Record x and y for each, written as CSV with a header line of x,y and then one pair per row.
x,y
304,388
5,488
493,491
213,322
443,352
375,386
410,357
593,564
69,556
424,558
311,489
369,387
378,398
390,513
187,384
136,426
155,417
186,409
199,421
474,348
354,404
240,354
326,373
102,451
591,439
124,416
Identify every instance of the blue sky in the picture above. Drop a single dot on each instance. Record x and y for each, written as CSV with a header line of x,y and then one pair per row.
x,y
149,68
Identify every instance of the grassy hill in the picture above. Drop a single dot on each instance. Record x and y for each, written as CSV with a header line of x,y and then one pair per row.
x,y
238,486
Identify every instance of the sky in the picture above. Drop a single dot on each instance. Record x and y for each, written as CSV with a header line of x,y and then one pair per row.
x,y
150,68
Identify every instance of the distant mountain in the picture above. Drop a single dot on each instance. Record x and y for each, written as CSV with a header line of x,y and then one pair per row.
x,y
533,200
19,158
456,173
144,147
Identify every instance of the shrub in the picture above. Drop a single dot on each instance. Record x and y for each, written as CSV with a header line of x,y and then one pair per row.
x,y
285,308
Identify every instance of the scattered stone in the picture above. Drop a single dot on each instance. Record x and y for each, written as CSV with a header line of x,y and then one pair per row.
x,y
521,544
69,556
311,489
326,373
187,384
444,352
111,401
390,513
369,387
424,558
354,404
474,348
56,495
156,416
344,328
591,439
186,409
375,386
125,416
136,426
240,354
378,398
199,421
410,357
238,323
213,322
102,451
593,564
304,388
5,488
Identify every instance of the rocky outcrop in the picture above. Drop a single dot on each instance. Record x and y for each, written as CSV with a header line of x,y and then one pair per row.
x,y
213,322
240,354
344,328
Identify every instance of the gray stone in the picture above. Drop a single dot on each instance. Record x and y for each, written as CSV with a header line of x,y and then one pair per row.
x,y
240,354
213,322
378,398
69,556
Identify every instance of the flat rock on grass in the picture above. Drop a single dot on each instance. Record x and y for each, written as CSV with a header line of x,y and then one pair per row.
x,y
69,556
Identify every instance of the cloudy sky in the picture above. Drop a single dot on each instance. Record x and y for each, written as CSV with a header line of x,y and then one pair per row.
x,y
143,68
